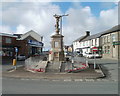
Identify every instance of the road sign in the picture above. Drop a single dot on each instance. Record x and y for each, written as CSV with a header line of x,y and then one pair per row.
x,y
94,49
16,49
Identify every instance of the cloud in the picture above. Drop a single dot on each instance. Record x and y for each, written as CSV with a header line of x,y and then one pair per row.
x,y
21,29
31,16
39,17
81,20
5,29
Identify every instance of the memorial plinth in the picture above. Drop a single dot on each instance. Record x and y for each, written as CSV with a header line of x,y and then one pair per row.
x,y
57,53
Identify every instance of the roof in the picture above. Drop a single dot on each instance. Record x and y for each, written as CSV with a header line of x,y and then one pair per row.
x,y
18,35
32,34
9,35
79,39
92,36
113,29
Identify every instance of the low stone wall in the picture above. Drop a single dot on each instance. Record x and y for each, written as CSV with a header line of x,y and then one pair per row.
x,y
35,65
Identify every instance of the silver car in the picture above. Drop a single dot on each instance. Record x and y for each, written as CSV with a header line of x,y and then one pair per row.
x,y
21,57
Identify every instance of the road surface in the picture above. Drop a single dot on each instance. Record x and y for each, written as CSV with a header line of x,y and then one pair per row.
x,y
22,86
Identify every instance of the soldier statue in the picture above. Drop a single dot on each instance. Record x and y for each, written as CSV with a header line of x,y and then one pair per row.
x,y
57,23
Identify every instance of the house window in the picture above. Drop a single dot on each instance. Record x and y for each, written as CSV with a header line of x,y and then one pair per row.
x,y
102,40
105,39
8,40
108,49
92,42
108,38
105,51
96,42
83,43
86,43
114,37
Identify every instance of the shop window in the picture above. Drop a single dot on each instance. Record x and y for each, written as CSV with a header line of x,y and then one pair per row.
x,y
8,40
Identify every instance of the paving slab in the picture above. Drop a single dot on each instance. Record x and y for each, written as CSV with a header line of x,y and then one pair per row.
x,y
22,73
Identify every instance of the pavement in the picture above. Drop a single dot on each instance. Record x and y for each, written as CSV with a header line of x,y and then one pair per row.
x,y
84,74
21,81
21,72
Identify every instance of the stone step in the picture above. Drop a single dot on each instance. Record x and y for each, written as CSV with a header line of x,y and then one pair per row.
x,y
53,67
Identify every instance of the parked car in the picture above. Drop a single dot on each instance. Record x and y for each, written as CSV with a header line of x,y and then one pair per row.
x,y
68,53
85,54
77,53
91,55
21,57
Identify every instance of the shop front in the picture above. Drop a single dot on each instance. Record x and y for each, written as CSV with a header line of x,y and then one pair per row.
x,y
35,47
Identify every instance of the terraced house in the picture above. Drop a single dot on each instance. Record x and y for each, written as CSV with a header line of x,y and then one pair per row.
x,y
111,43
107,42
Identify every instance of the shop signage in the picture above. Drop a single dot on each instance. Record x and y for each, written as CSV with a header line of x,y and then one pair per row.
x,y
16,49
32,42
116,43
94,49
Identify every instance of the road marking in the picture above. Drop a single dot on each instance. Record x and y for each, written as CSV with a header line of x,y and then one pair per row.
x,y
90,80
55,80
78,79
35,79
115,80
105,80
67,80
25,79
99,79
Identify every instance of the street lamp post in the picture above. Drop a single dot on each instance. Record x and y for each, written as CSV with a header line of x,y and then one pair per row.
x,y
61,22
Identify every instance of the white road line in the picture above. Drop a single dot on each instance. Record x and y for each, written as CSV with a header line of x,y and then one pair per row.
x,y
78,80
67,80
35,79
98,79
55,80
25,79
89,80
105,80
115,80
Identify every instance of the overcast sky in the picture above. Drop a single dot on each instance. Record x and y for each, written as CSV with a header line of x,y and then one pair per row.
x,y
21,17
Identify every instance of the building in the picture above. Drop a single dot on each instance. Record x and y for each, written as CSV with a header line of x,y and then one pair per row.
x,y
107,42
111,43
31,42
8,44
68,48
89,42
77,42
27,44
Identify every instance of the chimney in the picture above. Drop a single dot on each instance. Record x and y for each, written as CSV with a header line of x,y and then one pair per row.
x,y
87,33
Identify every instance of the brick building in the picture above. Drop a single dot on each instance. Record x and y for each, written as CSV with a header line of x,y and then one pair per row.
x,y
31,42
28,44
8,43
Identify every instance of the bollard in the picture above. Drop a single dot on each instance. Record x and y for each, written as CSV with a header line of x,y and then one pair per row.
x,y
14,63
